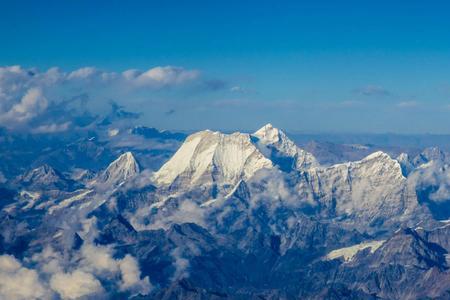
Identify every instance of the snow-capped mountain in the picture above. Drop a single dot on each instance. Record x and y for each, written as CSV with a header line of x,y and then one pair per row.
x,y
123,168
239,215
429,154
45,177
207,158
214,158
371,194
366,193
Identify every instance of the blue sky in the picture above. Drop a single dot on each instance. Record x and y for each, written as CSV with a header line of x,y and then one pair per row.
x,y
339,66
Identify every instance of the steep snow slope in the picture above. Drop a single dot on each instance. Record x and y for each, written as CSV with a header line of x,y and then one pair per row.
x,y
283,151
119,170
207,157
366,192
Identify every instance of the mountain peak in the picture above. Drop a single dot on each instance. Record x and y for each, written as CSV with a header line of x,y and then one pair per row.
x,y
380,160
44,169
45,176
208,155
125,163
268,134
284,152
121,169
127,156
377,155
429,154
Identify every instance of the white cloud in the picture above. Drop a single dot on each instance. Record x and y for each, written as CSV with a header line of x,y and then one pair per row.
x,y
91,73
83,73
30,105
161,76
237,89
26,95
99,260
131,274
186,212
75,284
18,282
181,264
83,273
48,260
434,174
271,189
131,74
51,128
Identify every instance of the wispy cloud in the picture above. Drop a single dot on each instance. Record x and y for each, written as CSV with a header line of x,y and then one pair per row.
x,y
160,76
372,90
407,104
237,89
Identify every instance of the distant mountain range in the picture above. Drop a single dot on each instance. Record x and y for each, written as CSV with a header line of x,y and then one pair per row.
x,y
135,213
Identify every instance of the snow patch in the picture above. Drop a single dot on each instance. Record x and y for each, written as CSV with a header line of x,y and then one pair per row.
x,y
66,202
348,253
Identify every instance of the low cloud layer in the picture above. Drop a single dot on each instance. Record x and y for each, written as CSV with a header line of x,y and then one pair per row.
x,y
18,282
84,275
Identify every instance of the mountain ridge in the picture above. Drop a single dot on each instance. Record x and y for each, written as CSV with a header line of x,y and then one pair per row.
x,y
238,215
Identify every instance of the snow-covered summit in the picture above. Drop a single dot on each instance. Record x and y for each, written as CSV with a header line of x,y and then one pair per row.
x,y
44,177
123,168
224,159
208,156
269,134
379,163
283,150
371,189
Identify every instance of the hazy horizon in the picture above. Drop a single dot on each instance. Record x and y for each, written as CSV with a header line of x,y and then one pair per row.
x,y
340,67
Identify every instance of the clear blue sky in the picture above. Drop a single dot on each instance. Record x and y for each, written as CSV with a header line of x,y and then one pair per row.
x,y
362,66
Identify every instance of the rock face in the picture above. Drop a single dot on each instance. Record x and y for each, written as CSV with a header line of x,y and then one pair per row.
x,y
406,266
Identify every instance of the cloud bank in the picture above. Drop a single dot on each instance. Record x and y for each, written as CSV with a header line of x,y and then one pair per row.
x,y
18,282
84,275
54,100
